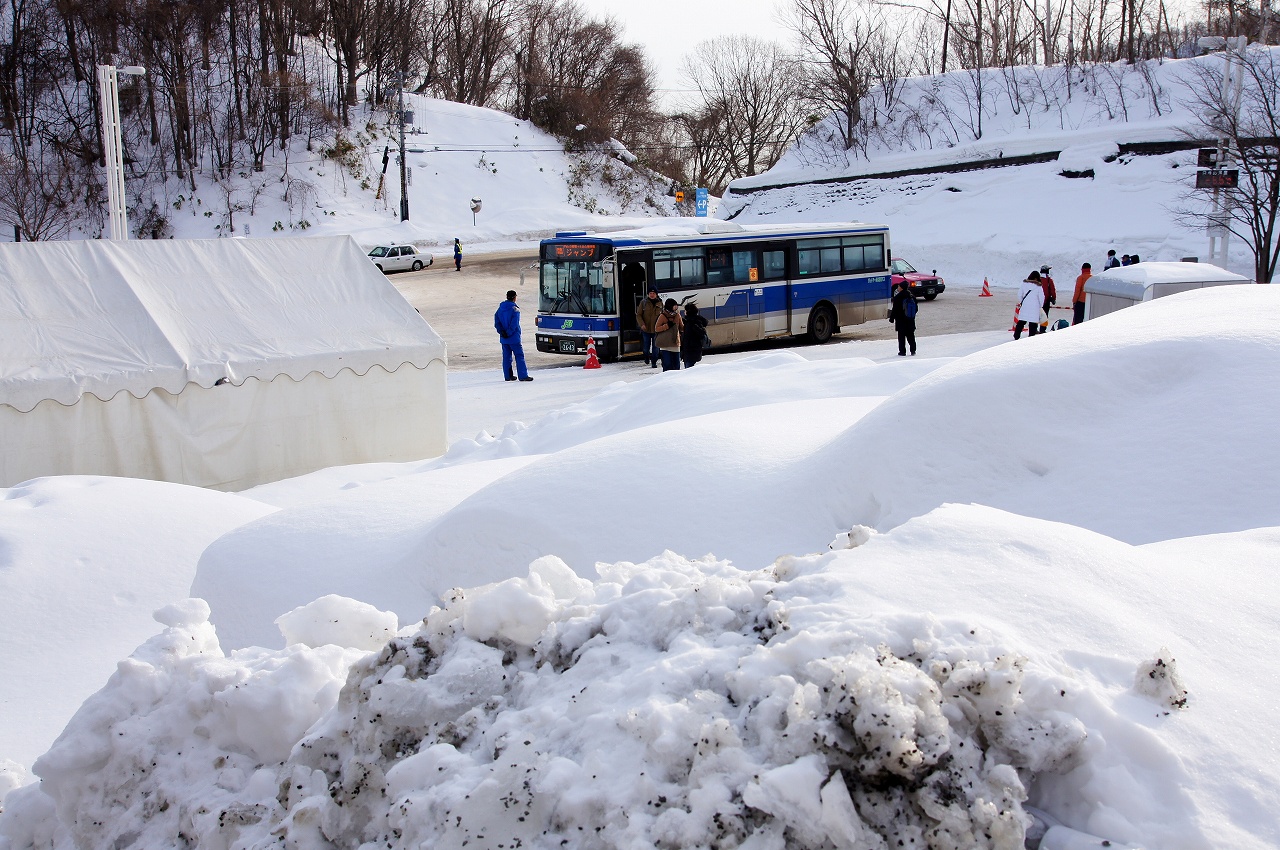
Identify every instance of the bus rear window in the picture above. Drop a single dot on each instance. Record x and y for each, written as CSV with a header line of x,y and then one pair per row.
x,y
849,253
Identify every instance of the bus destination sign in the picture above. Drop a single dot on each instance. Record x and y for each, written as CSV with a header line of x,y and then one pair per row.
x,y
572,251
1218,178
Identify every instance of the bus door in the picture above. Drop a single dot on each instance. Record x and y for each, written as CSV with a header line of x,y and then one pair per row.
x,y
737,299
633,287
774,299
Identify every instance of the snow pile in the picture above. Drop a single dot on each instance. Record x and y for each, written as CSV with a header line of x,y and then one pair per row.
x,y
672,703
177,714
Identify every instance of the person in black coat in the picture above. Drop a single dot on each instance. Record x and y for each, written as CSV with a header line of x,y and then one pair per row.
x,y
903,316
695,330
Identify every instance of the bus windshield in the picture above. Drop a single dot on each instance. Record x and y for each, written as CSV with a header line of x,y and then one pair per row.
x,y
574,287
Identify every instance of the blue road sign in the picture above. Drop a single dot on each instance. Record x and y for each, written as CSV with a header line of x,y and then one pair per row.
x,y
700,202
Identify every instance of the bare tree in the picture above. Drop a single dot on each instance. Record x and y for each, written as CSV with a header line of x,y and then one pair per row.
x,y
476,49
1252,129
845,37
749,86
578,79
37,196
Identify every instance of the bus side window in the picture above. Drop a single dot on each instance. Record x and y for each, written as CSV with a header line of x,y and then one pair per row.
x,y
718,269
818,256
682,267
775,265
864,253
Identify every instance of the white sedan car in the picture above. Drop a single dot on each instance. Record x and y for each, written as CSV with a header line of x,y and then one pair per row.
x,y
399,258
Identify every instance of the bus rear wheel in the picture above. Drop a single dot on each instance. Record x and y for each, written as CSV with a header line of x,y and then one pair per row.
x,y
822,324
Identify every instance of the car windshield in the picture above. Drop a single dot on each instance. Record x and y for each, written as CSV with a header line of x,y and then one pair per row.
x,y
574,287
380,251
902,267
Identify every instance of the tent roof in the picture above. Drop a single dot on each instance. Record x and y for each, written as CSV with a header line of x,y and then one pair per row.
x,y
100,317
1133,281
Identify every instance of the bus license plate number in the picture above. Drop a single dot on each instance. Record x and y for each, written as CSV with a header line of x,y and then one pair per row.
x,y
568,345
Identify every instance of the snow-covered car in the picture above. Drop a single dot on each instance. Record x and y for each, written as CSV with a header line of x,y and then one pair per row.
x,y
399,258
930,286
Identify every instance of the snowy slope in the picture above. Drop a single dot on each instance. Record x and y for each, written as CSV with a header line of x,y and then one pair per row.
x,y
528,186
999,223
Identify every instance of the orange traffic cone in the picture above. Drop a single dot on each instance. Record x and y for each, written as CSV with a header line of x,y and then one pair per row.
x,y
593,362
986,289
1016,310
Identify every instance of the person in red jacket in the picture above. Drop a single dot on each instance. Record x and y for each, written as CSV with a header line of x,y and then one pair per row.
x,y
1077,300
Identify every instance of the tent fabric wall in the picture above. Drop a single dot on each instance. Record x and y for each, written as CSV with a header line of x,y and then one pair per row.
x,y
217,363
233,437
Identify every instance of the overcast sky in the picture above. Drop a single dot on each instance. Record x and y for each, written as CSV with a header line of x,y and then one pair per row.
x,y
670,29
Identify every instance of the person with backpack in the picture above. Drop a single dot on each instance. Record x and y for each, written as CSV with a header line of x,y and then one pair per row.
x,y
1030,303
1050,291
667,335
694,338
903,315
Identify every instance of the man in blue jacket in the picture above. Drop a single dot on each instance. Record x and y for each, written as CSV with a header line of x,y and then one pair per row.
x,y
507,323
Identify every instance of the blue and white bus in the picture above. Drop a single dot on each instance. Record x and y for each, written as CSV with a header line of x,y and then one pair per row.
x,y
750,282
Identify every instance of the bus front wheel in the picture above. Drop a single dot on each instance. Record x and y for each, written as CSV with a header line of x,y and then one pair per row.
x,y
822,324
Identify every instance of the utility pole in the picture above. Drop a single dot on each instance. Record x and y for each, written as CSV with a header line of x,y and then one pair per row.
x,y
113,145
404,174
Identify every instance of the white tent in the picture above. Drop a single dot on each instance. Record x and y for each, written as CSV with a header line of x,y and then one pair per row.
x,y
1124,286
221,363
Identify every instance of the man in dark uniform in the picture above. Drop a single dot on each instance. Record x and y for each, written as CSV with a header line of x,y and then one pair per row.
x,y
903,316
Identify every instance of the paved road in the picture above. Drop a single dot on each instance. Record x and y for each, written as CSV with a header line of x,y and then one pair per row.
x,y
460,306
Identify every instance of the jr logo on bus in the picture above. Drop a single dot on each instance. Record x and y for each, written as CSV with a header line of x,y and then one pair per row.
x,y
568,323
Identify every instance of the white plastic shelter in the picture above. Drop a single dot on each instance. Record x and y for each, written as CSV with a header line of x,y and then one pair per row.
x,y
1115,289
221,363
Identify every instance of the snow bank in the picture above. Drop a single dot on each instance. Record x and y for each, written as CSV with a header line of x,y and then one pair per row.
x,y
1143,425
84,561
483,512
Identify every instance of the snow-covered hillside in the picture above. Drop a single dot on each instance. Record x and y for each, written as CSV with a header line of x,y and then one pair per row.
x,y
527,184
999,223
994,223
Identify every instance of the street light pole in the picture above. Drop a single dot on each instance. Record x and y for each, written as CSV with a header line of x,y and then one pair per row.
x,y
113,145
1232,88
404,174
